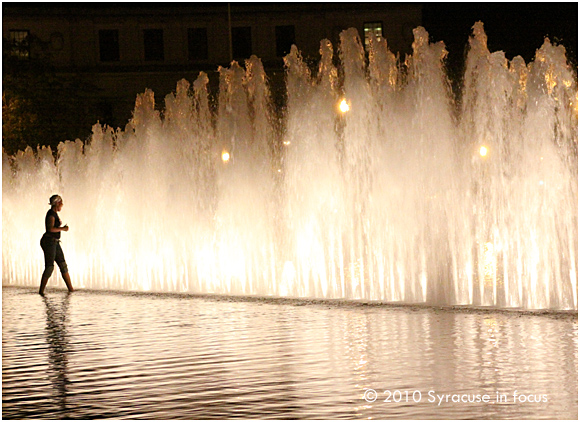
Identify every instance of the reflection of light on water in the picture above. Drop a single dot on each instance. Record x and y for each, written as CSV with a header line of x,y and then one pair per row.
x,y
492,330
257,352
483,151
344,107
356,338
225,156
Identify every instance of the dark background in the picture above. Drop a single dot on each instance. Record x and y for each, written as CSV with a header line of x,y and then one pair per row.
x,y
50,109
515,28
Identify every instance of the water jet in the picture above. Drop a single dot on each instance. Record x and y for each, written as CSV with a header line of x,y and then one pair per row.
x,y
391,200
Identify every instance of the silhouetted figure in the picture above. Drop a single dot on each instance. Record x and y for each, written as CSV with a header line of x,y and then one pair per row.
x,y
50,244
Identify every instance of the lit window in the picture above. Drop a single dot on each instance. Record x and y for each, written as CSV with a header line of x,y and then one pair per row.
x,y
153,43
197,43
109,45
372,28
19,43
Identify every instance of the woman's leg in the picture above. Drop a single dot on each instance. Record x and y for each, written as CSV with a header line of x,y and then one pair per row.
x,y
49,248
59,257
43,282
66,278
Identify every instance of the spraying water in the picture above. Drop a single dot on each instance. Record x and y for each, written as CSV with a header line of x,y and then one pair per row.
x,y
379,186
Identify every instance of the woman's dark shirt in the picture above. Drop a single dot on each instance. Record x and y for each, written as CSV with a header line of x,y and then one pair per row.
x,y
57,223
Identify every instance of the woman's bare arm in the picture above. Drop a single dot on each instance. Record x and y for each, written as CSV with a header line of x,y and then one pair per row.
x,y
53,229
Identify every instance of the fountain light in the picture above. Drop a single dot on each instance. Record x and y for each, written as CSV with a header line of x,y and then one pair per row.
x,y
483,151
550,81
489,263
225,156
344,107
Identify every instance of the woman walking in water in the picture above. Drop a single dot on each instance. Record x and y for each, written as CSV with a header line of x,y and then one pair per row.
x,y
50,244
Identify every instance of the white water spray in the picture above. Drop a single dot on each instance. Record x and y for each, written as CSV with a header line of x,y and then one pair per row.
x,y
398,195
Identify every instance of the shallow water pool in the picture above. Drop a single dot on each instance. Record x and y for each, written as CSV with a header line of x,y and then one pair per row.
x,y
93,355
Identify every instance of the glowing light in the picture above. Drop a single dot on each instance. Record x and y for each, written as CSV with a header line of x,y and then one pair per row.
x,y
344,107
288,278
356,277
492,330
489,264
550,80
225,156
286,143
483,151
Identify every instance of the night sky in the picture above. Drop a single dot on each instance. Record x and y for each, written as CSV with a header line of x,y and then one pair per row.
x,y
515,28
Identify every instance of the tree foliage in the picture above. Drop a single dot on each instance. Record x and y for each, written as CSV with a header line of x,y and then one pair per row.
x,y
40,105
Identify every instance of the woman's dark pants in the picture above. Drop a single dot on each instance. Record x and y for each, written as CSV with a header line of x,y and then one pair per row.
x,y
52,252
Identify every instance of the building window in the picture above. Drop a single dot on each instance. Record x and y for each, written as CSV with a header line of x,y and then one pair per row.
x,y
372,28
197,43
242,42
19,43
153,42
109,45
284,39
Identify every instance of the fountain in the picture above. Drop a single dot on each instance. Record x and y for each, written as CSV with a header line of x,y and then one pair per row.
x,y
400,195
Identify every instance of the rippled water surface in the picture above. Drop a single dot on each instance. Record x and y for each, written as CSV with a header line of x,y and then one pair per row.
x,y
119,355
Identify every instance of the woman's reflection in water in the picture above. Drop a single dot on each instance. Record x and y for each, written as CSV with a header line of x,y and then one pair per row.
x,y
58,348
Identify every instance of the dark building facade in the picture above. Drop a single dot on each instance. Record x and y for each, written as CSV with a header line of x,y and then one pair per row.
x,y
125,48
